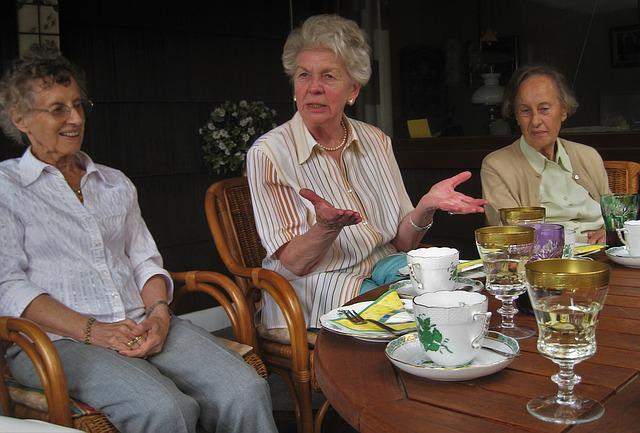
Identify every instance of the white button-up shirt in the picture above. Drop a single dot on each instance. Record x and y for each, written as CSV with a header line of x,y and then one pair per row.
x,y
94,257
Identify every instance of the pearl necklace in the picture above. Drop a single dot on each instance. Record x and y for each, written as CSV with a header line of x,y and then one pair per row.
x,y
342,142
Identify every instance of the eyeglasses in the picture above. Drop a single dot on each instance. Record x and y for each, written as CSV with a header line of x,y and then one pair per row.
x,y
61,112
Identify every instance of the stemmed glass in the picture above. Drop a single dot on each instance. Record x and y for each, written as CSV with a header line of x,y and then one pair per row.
x,y
504,251
567,295
514,216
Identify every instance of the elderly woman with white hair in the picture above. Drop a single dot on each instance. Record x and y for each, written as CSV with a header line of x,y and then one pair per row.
x,y
331,208
540,168
78,260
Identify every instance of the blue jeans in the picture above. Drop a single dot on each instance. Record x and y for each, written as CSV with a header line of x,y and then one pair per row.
x,y
195,379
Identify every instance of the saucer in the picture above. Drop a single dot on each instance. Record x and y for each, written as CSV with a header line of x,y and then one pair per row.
x,y
327,322
406,290
407,354
621,256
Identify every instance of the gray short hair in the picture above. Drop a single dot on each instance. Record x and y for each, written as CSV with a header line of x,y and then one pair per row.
x,y
337,34
17,90
566,95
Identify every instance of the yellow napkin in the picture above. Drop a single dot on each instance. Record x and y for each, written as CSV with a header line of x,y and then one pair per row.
x,y
462,266
588,249
381,309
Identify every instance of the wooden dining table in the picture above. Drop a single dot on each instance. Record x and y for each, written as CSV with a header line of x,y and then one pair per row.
x,y
373,396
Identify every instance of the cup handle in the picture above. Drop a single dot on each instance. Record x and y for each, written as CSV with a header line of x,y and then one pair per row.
x,y
621,233
413,274
477,342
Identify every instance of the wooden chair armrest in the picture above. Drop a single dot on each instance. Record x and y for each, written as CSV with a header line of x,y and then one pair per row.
x,y
230,297
285,296
35,343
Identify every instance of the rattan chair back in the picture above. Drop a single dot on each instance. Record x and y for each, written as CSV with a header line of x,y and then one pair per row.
x,y
233,226
623,176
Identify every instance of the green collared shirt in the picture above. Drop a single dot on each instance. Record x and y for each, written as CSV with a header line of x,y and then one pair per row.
x,y
565,200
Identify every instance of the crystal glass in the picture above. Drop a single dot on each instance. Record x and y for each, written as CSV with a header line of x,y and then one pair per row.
x,y
567,295
514,216
569,243
504,251
549,241
616,209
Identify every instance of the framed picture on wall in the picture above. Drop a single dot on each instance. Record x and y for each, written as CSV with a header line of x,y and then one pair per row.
x,y
625,46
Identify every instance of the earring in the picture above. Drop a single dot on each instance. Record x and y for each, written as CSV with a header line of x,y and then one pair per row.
x,y
294,98
351,101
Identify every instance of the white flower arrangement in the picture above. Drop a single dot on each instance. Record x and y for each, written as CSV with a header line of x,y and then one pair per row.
x,y
230,130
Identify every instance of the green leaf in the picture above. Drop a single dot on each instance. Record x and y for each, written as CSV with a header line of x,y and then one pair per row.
x,y
433,347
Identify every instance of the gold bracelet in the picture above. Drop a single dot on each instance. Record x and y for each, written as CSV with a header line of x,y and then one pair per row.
x,y
155,304
87,330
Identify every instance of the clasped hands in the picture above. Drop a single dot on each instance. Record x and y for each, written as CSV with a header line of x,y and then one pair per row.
x,y
441,196
136,340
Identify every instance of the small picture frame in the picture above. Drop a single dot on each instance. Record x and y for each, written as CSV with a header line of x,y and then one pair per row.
x,y
625,46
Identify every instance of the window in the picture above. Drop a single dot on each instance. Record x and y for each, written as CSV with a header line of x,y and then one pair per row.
x,y
38,24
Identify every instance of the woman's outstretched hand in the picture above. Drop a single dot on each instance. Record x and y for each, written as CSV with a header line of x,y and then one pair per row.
x,y
443,196
328,216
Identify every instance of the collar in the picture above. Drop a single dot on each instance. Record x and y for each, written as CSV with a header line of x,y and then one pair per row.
x,y
31,167
305,143
539,161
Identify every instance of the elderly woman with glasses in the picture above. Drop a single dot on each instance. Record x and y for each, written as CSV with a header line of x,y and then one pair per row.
x,y
78,260
540,168
331,208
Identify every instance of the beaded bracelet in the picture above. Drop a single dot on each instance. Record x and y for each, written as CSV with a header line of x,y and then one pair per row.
x,y
155,304
419,228
87,330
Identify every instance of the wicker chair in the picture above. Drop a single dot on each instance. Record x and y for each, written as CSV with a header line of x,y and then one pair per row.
x,y
232,224
623,176
53,403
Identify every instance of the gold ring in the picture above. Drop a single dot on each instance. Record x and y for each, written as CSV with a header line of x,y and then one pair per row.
x,y
133,341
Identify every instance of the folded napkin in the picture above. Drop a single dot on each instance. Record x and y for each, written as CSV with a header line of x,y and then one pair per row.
x,y
387,309
587,249
463,266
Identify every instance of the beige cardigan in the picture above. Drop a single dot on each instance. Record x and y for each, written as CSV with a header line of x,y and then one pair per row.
x,y
508,180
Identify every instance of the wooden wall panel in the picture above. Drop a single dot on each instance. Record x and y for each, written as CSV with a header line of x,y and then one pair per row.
x,y
155,73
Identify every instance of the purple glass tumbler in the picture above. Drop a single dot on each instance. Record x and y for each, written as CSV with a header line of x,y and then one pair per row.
x,y
548,244
549,241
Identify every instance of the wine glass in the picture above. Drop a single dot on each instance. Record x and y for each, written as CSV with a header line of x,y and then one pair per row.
x,y
504,250
567,295
514,216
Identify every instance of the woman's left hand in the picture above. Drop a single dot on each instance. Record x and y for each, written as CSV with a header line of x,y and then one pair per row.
x,y
157,329
443,196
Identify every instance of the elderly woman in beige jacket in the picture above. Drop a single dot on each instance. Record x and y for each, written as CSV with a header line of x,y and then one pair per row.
x,y
541,169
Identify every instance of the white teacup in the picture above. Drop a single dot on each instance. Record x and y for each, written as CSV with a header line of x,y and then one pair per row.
x,y
451,325
630,236
433,269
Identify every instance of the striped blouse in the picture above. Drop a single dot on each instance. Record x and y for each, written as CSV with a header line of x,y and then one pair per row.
x,y
287,159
